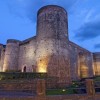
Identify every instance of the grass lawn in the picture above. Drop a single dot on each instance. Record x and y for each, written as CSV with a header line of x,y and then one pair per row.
x,y
97,78
59,91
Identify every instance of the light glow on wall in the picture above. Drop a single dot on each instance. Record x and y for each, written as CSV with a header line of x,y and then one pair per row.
x,y
97,68
84,71
5,67
0,69
42,65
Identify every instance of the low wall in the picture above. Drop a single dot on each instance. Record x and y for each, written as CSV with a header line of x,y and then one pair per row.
x,y
25,84
74,97
67,97
41,94
20,85
55,97
18,98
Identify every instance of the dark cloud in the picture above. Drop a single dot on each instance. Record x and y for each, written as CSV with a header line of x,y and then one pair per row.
x,y
89,30
96,46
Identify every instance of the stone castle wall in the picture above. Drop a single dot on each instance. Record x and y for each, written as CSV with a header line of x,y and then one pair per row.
x,y
96,63
26,57
0,57
81,62
50,50
2,54
52,54
11,55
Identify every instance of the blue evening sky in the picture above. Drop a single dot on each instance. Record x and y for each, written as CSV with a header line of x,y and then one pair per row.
x,y
18,20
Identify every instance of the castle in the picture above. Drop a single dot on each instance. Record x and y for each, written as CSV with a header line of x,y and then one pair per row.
x,y
50,51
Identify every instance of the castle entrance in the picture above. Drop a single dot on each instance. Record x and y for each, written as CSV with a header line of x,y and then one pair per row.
x,y
24,69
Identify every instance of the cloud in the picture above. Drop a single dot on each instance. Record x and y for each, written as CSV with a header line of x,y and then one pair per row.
x,y
96,46
29,8
18,17
89,30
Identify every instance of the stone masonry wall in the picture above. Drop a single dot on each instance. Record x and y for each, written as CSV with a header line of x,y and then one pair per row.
x,y
73,62
27,53
11,55
52,54
0,57
86,68
50,50
2,54
81,62
73,97
54,97
96,62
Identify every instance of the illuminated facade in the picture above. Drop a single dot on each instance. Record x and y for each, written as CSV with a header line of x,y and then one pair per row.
x,y
50,50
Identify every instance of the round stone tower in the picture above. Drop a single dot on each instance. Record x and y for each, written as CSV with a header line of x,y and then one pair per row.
x,y
1,47
11,55
52,54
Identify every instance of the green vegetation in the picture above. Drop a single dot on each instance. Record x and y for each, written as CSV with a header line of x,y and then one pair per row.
x,y
20,75
60,91
76,87
97,78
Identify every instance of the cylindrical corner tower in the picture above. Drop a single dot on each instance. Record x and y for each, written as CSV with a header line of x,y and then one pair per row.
x,y
11,55
52,54
52,23
1,47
